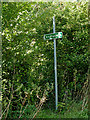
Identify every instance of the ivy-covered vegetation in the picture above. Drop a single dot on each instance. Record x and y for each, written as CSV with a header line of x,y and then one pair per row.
x,y
28,60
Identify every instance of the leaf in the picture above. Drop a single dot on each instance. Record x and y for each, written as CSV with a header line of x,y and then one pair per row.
x,y
19,88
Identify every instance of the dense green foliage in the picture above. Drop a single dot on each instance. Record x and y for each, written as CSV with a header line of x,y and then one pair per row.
x,y
28,60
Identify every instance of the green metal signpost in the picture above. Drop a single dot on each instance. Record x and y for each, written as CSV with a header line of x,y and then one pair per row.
x,y
54,36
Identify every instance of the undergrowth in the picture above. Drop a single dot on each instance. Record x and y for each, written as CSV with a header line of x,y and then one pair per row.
x,y
74,112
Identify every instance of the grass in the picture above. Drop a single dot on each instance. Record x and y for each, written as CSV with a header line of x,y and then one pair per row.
x,y
47,114
73,112
69,114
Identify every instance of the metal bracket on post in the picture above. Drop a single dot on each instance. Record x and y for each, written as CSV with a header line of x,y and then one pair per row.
x,y
55,64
